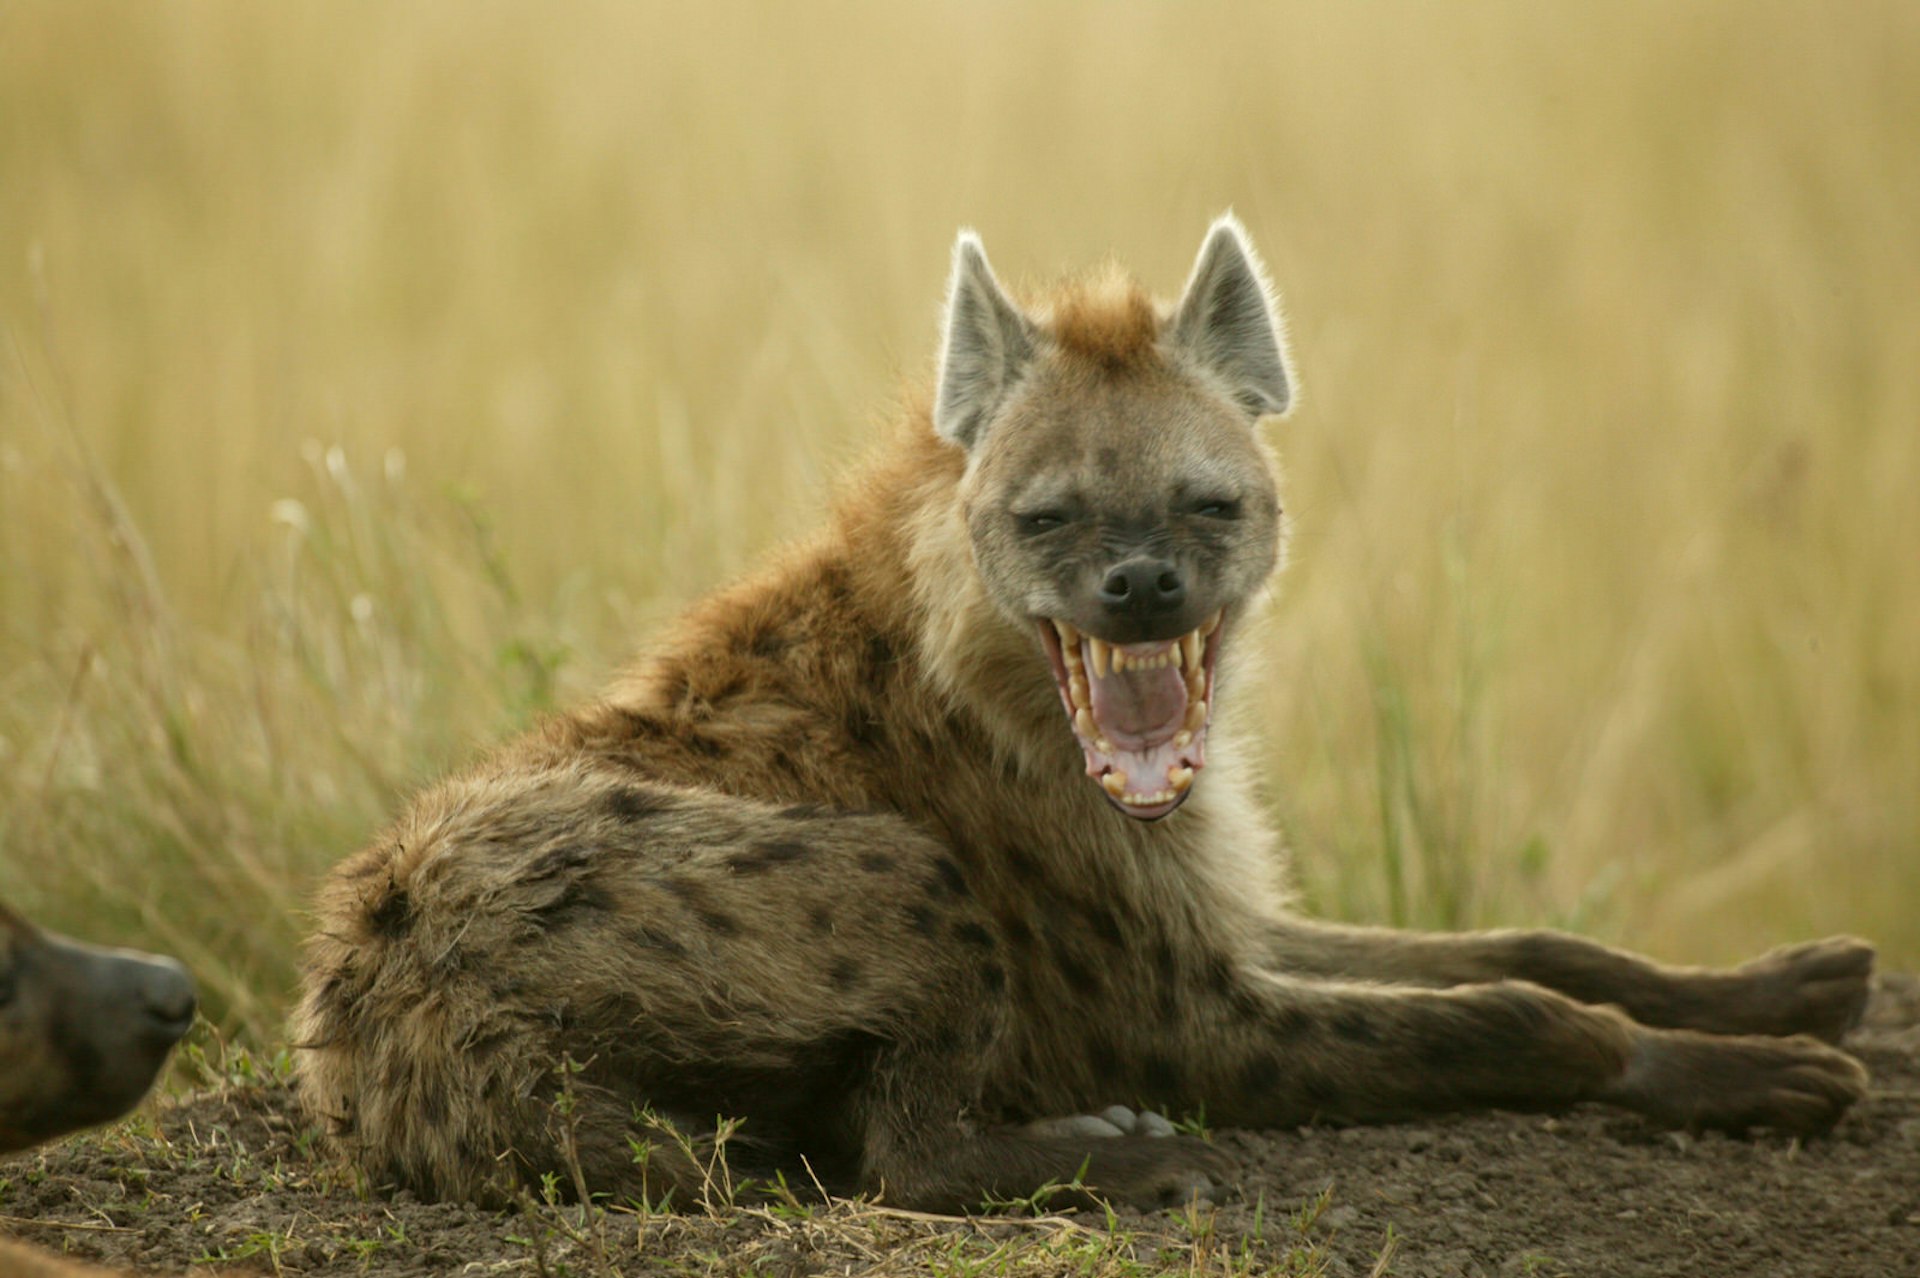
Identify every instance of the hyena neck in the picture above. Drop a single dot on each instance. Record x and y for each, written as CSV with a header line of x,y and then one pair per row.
x,y
970,659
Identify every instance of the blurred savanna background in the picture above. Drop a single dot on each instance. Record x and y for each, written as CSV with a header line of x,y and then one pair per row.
x,y
373,378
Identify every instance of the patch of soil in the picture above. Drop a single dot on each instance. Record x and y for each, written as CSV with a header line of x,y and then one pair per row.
x,y
229,1179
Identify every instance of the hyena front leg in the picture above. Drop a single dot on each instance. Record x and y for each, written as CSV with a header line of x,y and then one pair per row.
x,y
1818,988
921,1151
1282,1051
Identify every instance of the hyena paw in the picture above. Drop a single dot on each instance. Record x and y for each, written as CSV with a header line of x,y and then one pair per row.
x,y
1687,1079
1114,1120
1150,1174
1818,988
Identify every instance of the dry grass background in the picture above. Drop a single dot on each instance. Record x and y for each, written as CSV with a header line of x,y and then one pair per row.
x,y
372,376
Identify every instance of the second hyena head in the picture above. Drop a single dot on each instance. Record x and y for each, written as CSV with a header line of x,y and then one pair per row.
x,y
1119,503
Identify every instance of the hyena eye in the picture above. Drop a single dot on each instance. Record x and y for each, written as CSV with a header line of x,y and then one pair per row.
x,y
1218,508
1040,521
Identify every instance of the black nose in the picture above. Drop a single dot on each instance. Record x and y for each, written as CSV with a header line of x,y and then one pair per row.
x,y
1143,587
165,992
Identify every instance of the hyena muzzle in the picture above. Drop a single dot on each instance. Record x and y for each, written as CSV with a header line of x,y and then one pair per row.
x,y
83,1030
935,840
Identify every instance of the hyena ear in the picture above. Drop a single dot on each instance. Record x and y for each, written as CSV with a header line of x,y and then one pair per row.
x,y
1228,322
987,345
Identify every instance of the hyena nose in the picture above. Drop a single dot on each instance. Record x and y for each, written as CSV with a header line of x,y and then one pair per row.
x,y
1143,588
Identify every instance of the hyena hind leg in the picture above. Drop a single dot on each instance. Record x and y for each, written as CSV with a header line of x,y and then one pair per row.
x,y
1818,988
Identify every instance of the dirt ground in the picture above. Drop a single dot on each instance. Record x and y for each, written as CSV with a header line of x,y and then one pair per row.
x,y
229,1179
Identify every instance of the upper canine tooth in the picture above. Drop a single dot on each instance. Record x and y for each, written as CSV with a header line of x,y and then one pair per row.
x,y
1101,654
1193,646
1211,624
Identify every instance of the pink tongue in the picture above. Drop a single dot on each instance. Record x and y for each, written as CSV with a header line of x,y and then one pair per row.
x,y
1140,707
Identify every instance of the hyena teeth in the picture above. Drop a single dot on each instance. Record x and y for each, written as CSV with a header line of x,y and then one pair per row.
x,y
1078,689
1083,723
1182,739
1069,641
1196,715
1211,624
1119,656
1101,654
1115,783
1193,646
1179,778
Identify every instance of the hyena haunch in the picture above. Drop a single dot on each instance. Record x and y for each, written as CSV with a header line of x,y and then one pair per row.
x,y
830,860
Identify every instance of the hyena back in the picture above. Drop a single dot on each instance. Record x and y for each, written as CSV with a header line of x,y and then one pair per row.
x,y
939,833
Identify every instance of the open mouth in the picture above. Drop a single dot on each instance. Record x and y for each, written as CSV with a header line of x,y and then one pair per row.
x,y
1140,710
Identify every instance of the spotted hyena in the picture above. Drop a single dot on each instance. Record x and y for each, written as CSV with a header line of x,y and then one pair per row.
x,y
937,836
83,1032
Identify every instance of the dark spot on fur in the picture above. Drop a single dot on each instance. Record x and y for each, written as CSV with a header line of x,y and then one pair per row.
x,y
864,728
635,803
1081,978
578,902
974,934
703,745
430,1103
876,862
1160,1075
1018,931
392,914
842,973
768,643
1218,974
820,919
718,920
1103,925
923,919
764,856
994,977
880,653
642,724
647,938
1285,1022
1260,1076
1320,1093
1356,1027
713,918
948,880
1022,865
1167,1000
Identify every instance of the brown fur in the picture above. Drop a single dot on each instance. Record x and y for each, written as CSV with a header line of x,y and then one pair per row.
x,y
827,859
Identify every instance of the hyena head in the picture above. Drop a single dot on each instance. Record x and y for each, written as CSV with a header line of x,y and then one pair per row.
x,y
1119,502
83,1031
